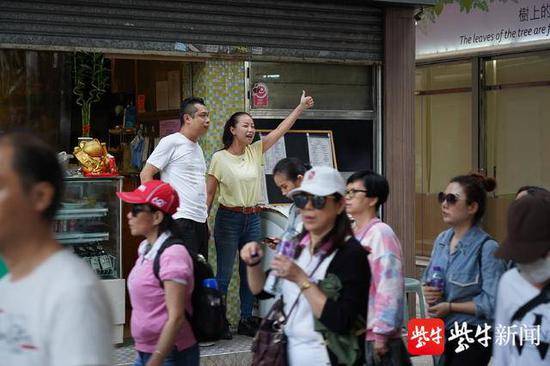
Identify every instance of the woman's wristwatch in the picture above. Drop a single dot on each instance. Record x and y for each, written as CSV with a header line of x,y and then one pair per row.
x,y
305,285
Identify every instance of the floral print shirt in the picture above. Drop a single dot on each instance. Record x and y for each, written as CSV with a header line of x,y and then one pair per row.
x,y
386,292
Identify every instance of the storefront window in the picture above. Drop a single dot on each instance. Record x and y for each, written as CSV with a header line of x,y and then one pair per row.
x,y
516,95
443,135
31,85
335,87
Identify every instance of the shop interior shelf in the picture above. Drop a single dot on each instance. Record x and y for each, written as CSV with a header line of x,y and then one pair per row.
x,y
81,213
157,115
75,237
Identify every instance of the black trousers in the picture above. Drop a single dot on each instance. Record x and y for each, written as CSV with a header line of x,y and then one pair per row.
x,y
396,356
476,354
195,234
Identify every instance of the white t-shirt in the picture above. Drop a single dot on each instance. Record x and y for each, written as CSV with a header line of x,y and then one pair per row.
x,y
513,292
58,315
181,163
305,345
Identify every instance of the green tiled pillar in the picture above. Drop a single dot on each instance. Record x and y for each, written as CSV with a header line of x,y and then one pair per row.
x,y
221,84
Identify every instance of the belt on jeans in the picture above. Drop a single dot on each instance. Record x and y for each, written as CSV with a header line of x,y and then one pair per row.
x,y
244,210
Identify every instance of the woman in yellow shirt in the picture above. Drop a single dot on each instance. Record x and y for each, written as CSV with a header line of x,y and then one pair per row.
x,y
237,171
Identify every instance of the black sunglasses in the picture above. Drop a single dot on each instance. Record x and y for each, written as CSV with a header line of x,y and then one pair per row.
x,y
451,198
137,209
318,202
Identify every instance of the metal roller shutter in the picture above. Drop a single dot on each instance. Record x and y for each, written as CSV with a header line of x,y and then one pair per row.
x,y
309,29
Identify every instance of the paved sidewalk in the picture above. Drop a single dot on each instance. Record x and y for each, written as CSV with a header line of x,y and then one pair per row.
x,y
223,353
422,361
235,352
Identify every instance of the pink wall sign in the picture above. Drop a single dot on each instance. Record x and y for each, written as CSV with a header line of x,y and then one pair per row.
x,y
169,126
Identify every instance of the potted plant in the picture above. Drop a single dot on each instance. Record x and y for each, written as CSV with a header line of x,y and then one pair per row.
x,y
90,77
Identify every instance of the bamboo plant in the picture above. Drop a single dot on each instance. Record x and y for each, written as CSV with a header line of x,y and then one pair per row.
x,y
91,79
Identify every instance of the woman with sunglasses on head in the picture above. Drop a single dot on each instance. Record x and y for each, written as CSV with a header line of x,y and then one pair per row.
x,y
237,170
328,256
464,255
161,332
366,192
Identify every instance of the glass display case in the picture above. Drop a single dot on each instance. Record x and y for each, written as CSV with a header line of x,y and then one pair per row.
x,y
89,223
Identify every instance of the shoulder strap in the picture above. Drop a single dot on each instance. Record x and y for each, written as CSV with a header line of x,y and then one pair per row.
x,y
479,256
542,298
156,262
300,294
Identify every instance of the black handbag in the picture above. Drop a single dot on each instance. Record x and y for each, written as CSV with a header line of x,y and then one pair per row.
x,y
269,344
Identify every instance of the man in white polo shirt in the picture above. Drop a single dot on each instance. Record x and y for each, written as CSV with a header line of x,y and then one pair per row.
x,y
180,161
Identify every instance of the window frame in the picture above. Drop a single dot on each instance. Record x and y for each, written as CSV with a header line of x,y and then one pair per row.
x,y
267,113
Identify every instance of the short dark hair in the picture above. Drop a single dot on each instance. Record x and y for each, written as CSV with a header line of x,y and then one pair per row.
x,y
476,186
227,137
375,184
291,168
187,106
34,162
531,189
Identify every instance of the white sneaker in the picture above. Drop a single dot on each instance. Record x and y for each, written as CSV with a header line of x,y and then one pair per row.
x,y
206,344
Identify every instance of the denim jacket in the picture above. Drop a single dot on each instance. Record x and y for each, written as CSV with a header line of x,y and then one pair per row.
x,y
464,279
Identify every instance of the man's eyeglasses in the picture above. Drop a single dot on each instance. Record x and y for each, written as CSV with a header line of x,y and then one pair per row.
x,y
137,209
318,202
451,198
350,193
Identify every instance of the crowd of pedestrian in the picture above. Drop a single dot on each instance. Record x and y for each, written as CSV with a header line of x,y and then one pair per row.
x,y
339,268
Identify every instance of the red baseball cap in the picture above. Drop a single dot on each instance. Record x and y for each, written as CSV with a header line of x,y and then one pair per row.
x,y
156,193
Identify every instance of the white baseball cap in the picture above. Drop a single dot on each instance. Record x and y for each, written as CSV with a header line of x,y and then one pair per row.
x,y
321,181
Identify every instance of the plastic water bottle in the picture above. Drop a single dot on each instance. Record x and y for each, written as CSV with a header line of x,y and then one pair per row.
x,y
210,283
437,279
287,247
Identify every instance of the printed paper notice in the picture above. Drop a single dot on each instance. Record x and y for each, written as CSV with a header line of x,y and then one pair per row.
x,y
273,155
174,86
320,150
161,95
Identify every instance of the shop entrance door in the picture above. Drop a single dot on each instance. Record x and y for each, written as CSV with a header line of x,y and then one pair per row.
x,y
443,139
516,96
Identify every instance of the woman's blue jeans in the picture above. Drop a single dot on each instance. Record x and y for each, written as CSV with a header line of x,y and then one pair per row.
x,y
232,231
187,357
